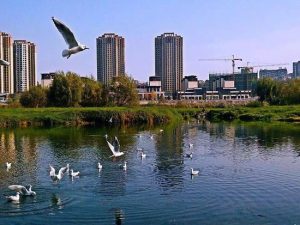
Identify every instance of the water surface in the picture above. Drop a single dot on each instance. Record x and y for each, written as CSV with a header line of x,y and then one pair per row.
x,y
249,174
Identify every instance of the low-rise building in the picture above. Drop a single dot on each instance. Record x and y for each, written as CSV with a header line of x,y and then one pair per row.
x,y
277,74
47,79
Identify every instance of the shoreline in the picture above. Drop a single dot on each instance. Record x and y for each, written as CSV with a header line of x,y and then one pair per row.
x,y
151,115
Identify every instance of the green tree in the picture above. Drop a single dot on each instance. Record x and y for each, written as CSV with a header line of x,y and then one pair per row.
x,y
35,97
76,87
91,93
122,91
60,92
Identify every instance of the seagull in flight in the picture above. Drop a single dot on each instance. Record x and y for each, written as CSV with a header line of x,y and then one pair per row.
x,y
58,176
3,62
8,166
22,190
74,46
115,149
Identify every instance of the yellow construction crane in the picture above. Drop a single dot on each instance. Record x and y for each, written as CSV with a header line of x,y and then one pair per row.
x,y
233,59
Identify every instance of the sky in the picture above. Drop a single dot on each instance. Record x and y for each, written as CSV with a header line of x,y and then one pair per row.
x,y
258,31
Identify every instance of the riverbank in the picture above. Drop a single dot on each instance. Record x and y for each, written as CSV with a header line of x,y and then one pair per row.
x,y
25,117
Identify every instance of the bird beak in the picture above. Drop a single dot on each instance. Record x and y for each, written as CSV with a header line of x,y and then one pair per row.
x,y
87,48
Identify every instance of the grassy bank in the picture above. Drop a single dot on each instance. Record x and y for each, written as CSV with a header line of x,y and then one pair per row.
x,y
24,117
290,113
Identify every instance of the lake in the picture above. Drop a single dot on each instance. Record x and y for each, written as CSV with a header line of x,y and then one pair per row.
x,y
249,174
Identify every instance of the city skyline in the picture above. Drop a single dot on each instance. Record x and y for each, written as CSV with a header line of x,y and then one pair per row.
x,y
259,32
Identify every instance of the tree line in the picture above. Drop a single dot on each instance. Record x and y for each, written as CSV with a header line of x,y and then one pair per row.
x,y
71,90
278,92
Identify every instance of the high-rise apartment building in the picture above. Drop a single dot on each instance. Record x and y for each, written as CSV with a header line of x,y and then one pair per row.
x,y
296,69
169,61
110,57
6,72
24,65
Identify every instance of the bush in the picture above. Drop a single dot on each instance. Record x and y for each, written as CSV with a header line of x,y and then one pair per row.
x,y
34,98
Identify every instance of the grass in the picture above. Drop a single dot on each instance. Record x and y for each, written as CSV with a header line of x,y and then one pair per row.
x,y
23,117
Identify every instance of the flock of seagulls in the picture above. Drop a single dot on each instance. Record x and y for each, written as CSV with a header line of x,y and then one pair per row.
x,y
115,149
73,47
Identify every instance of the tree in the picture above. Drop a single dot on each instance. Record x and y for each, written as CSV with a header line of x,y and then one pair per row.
x,y
35,97
76,86
60,92
91,93
122,91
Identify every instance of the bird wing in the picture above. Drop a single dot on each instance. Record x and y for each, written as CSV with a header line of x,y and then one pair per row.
x,y
62,170
66,33
52,171
111,147
19,188
117,144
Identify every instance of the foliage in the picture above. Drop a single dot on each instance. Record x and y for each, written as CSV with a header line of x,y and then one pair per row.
x,y
91,93
121,92
34,98
60,93
279,92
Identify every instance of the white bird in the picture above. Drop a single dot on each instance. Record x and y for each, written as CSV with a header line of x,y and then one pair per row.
x,y
161,130
125,166
4,63
191,145
74,46
22,189
8,165
99,166
68,169
74,174
194,172
143,155
115,149
151,136
13,198
60,174
110,120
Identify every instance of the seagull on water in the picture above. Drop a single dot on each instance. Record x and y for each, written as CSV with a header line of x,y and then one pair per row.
x,y
143,155
13,198
124,166
8,165
74,174
22,189
191,145
74,46
4,63
68,169
99,166
115,149
58,176
194,172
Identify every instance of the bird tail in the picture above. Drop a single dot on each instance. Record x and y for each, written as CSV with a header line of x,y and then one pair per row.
x,y
65,53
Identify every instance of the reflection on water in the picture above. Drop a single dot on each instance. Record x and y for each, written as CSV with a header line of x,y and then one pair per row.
x,y
248,174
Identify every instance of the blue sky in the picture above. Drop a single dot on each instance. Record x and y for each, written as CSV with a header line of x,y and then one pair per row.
x,y
261,32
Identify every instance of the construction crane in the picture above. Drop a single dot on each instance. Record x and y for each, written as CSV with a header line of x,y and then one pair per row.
x,y
248,69
233,59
